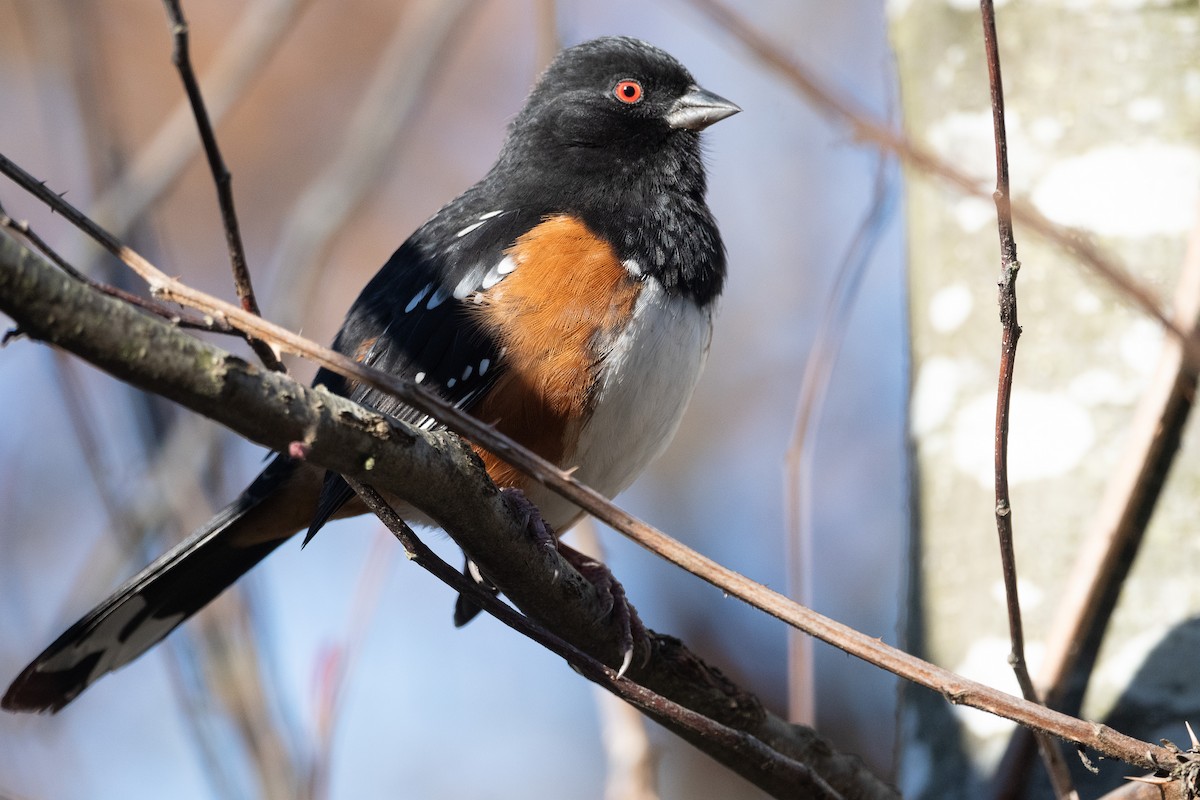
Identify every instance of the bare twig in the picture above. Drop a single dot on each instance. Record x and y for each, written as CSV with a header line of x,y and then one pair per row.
x,y
798,461
1115,535
1148,789
233,69
1060,776
338,661
1132,492
17,292
220,173
182,319
232,673
879,134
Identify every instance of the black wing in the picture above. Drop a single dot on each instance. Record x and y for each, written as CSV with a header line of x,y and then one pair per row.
x,y
413,320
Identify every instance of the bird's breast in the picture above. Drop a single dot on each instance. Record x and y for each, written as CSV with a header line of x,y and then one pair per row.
x,y
644,378
599,361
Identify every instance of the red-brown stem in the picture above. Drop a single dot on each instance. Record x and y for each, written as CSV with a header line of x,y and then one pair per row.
x,y
1060,776
221,176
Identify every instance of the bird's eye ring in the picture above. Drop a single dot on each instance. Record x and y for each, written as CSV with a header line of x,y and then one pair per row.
x,y
628,91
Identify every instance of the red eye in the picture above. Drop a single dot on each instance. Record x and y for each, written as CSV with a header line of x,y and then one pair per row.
x,y
628,92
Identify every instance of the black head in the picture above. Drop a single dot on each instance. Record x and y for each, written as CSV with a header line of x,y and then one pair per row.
x,y
611,102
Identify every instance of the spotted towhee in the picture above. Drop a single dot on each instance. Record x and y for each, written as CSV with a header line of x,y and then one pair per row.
x,y
568,296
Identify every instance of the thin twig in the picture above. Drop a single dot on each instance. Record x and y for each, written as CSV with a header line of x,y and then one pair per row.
x,y
1148,789
182,319
221,176
954,687
1060,776
1132,492
338,662
924,161
1116,533
798,461
232,70
221,658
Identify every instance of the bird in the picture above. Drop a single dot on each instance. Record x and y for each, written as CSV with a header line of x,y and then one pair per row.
x,y
567,298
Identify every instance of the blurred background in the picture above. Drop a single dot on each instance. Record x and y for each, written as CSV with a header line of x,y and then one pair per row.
x,y
335,671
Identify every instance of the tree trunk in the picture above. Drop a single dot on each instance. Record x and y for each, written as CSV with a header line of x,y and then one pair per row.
x,y
1103,105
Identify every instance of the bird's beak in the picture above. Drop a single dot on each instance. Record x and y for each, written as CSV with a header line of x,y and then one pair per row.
x,y
698,109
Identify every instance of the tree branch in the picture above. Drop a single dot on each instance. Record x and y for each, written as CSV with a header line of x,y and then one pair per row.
x,y
1060,776
434,472
782,776
954,687
222,178
183,320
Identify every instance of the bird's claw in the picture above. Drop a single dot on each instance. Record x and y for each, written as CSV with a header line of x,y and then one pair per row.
x,y
615,603
633,632
532,521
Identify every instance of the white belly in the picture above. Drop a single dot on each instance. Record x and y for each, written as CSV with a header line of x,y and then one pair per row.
x,y
646,378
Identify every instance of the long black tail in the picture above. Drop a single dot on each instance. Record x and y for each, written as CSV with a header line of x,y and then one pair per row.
x,y
178,584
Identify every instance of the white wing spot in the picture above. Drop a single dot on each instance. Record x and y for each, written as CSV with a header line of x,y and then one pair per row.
x,y
450,383
506,265
474,225
439,297
476,575
418,297
483,366
469,228
420,376
632,267
466,285
467,372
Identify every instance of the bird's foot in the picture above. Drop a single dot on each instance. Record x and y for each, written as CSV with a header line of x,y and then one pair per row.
x,y
531,519
615,603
